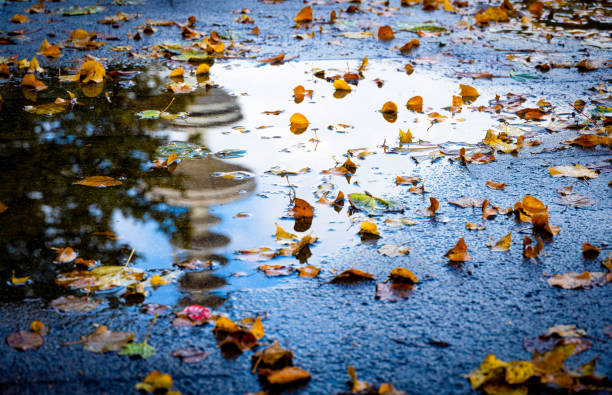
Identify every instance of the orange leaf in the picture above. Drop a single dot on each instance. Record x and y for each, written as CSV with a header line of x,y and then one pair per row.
x,y
415,104
299,123
352,275
389,108
341,85
488,212
468,91
30,81
495,185
178,72
385,33
301,208
590,251
92,71
305,15
19,18
98,181
278,59
406,48
459,252
52,52
530,251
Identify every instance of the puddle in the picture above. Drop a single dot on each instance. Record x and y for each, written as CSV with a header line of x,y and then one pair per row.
x,y
239,167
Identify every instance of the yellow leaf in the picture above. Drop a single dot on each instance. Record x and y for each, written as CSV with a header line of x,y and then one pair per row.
x,y
357,385
405,137
341,85
92,71
224,324
178,72
203,68
305,15
52,52
98,181
287,375
79,34
503,244
257,329
299,123
415,104
468,91
401,273
518,372
156,280
30,81
19,18
368,227
35,66
389,108
281,234
44,45
19,280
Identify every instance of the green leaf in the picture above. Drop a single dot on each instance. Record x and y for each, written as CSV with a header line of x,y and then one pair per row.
x,y
148,114
77,10
602,111
182,151
422,28
523,76
142,350
371,204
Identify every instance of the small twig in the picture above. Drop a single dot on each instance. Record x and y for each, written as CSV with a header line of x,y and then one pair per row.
x,y
150,328
169,104
586,116
130,258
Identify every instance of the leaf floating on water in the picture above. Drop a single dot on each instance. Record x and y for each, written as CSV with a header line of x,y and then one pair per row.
x,y
299,123
230,153
284,377
530,251
308,271
98,181
305,15
78,10
233,175
371,204
276,270
368,230
156,382
65,255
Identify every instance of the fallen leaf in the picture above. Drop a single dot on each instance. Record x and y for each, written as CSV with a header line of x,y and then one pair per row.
x,y
409,46
502,244
530,251
471,226
24,340
393,251
468,91
407,180
273,357
30,81
178,72
276,270
299,123
356,385
92,71
431,210
202,69
488,212
385,33
98,181
389,108
589,140
394,291
308,271
143,350
402,274
531,114
286,376
341,85
352,276
370,204
278,59
580,280
65,255
415,104
570,198
156,382
576,171
405,137
495,185
20,18
190,355
368,230
589,251
459,252
103,340
305,15
74,304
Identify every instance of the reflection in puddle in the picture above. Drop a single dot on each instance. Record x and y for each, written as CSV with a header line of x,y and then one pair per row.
x,y
207,206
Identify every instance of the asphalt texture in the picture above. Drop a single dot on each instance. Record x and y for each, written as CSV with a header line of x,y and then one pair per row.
x,y
457,313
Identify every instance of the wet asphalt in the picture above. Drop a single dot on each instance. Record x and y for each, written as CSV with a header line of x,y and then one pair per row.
x,y
423,345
